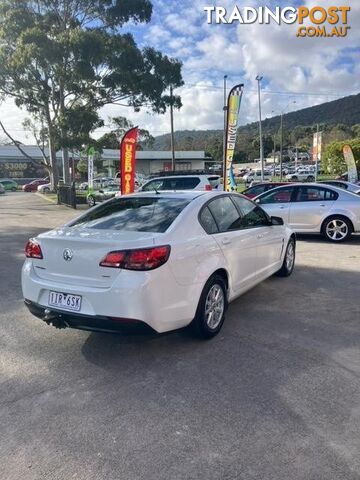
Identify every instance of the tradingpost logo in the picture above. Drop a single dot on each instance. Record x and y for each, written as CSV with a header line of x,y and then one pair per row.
x,y
316,21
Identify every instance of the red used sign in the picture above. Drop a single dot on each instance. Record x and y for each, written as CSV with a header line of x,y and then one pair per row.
x,y
128,161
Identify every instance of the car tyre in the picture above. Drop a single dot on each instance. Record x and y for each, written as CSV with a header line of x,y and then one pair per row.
x,y
310,178
289,260
337,229
91,201
210,313
295,178
46,190
13,189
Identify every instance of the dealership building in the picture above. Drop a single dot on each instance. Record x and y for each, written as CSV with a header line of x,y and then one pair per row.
x,y
13,164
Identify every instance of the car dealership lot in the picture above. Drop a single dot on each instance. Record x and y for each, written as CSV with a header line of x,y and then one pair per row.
x,y
275,396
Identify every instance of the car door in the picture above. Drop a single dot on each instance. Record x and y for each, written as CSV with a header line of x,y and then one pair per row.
x,y
269,238
310,206
237,244
276,202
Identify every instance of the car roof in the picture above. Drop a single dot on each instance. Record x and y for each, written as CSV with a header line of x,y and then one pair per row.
x,y
202,175
311,184
188,194
279,184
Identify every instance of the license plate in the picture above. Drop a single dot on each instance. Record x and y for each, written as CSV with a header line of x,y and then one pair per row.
x,y
65,300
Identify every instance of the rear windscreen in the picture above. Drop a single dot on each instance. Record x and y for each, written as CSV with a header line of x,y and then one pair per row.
x,y
135,214
169,183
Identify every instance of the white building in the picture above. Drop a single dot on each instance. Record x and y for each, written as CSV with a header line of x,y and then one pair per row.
x,y
150,162
15,165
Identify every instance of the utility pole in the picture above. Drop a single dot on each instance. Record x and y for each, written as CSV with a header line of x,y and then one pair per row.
x,y
259,78
274,152
282,135
317,152
281,143
224,135
172,129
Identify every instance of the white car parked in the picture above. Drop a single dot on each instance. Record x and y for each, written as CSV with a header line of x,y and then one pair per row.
x,y
181,182
46,188
315,208
255,176
301,175
163,259
348,186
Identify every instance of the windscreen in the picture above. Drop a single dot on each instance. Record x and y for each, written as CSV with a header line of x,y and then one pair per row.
x,y
135,214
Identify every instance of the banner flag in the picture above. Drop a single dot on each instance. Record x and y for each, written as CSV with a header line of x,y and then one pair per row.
x,y
351,164
233,109
91,155
128,161
317,147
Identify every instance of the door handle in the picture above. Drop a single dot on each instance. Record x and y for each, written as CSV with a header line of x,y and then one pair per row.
x,y
226,241
281,207
260,236
322,205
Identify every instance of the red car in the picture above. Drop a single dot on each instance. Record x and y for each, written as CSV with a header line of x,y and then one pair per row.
x,y
32,186
259,188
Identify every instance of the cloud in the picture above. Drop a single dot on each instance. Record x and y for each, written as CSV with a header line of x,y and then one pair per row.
x,y
308,70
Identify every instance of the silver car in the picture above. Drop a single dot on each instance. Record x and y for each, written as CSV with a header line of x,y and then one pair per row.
x,y
350,187
314,208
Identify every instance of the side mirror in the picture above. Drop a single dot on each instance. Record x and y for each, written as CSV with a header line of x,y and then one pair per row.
x,y
257,200
277,221
101,191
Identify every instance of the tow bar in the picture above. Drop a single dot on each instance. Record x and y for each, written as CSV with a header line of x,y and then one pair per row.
x,y
54,319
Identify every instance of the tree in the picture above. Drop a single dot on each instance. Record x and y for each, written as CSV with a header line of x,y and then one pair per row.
x,y
62,60
120,125
333,160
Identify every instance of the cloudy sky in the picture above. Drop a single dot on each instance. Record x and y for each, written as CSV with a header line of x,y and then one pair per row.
x,y
308,71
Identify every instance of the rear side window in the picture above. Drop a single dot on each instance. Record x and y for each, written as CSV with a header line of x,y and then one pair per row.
x,y
207,221
168,183
135,214
315,194
338,184
214,181
225,214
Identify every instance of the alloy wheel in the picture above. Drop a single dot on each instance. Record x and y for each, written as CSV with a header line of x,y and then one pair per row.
x,y
337,230
290,257
214,306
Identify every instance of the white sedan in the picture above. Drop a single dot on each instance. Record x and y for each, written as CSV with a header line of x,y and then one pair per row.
x,y
315,208
164,259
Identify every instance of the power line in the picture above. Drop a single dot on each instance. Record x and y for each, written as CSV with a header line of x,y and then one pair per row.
x,y
272,92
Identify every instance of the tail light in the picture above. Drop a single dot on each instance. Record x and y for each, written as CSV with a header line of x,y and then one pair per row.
x,y
141,259
33,249
208,188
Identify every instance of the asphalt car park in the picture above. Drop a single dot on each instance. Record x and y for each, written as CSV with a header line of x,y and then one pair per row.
x,y
274,396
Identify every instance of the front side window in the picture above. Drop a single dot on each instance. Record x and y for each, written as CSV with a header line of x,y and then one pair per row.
x,y
278,196
135,214
225,214
315,194
252,215
256,190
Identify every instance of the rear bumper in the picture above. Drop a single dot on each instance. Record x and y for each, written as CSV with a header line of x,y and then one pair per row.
x,y
62,319
153,298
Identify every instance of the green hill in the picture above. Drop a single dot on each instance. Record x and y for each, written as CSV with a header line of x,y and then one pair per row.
x,y
336,119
